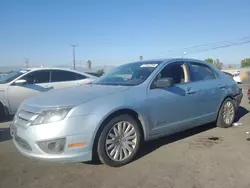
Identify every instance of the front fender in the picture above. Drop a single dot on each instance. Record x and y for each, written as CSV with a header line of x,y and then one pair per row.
x,y
142,117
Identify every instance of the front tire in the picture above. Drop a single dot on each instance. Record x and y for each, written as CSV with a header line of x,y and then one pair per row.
x,y
119,141
226,114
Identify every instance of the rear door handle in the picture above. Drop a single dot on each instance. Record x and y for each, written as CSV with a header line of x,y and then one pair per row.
x,y
221,86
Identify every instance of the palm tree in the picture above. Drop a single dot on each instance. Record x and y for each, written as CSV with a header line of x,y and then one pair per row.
x,y
89,63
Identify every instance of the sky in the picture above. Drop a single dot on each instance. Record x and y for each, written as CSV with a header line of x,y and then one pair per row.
x,y
113,32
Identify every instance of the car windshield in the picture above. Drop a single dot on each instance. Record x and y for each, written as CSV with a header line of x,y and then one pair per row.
x,y
11,76
129,74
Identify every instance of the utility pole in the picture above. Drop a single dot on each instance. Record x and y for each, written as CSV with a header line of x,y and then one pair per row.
x,y
74,60
26,62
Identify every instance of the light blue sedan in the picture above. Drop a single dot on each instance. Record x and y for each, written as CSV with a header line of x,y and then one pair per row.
x,y
134,103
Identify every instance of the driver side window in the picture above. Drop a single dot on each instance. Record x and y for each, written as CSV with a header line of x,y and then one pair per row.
x,y
177,71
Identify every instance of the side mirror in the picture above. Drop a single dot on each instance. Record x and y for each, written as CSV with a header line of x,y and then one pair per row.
x,y
20,82
164,83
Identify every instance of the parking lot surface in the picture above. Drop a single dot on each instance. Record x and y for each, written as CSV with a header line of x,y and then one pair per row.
x,y
204,157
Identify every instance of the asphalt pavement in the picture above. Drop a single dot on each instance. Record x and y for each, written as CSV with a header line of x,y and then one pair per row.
x,y
204,157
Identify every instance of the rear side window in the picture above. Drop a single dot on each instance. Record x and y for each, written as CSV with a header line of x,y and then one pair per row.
x,y
37,77
80,76
62,76
201,72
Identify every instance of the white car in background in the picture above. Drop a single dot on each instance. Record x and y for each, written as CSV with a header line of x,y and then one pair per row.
x,y
236,77
20,85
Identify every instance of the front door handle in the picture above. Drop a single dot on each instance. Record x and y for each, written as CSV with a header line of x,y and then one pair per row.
x,y
48,86
189,91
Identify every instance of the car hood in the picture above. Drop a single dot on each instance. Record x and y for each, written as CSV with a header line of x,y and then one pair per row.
x,y
72,96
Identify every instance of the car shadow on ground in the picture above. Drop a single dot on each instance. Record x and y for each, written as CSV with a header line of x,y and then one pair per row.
x,y
150,146
153,145
242,111
5,134
6,119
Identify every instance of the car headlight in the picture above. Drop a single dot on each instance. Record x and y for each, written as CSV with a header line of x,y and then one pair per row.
x,y
48,116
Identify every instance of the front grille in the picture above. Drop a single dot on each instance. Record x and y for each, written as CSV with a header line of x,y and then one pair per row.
x,y
25,115
23,143
23,118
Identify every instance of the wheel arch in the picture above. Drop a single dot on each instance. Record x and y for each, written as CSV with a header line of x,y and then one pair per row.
x,y
113,114
4,108
218,110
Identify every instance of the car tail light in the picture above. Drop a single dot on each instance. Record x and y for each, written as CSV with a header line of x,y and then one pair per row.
x,y
248,91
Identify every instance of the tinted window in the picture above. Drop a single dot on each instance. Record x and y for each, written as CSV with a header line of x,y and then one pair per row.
x,y
94,74
80,76
37,77
201,72
175,71
62,76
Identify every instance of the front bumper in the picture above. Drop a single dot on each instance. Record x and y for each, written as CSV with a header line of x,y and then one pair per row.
x,y
26,139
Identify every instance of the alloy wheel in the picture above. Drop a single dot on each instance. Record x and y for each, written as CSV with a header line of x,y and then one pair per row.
x,y
228,112
121,141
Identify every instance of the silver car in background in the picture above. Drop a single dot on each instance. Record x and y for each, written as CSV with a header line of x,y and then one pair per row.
x,y
20,85
135,102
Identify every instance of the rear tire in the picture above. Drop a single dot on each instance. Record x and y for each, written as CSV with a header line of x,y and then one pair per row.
x,y
119,141
2,112
226,114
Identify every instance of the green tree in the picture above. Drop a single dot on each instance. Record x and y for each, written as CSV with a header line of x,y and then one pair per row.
x,y
245,62
209,60
100,72
218,64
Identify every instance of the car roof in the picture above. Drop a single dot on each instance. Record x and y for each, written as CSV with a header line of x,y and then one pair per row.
x,y
46,68
55,68
162,60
